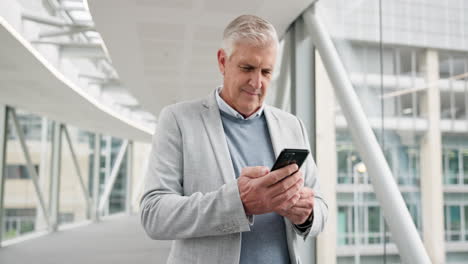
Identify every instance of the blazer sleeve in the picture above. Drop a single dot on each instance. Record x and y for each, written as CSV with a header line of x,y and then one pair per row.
x,y
165,212
320,210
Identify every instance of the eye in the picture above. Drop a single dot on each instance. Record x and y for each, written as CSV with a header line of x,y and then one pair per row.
x,y
246,68
266,72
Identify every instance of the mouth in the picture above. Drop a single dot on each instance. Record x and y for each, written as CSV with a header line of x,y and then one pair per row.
x,y
251,93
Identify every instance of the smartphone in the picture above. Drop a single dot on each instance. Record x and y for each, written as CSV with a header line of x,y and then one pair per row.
x,y
290,156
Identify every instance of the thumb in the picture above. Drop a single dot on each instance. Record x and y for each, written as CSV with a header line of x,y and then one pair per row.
x,y
255,172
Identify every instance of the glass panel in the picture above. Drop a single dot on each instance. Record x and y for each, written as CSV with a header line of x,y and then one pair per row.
x,y
22,213
384,78
117,197
465,166
342,224
414,165
450,166
406,167
374,225
72,203
455,222
444,65
343,170
453,166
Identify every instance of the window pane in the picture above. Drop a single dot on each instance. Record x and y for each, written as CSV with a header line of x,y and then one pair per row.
x,y
343,166
450,166
455,222
453,165
342,217
374,225
374,219
465,166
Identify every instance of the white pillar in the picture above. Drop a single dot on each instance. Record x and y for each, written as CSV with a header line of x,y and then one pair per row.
x,y
55,177
431,164
326,160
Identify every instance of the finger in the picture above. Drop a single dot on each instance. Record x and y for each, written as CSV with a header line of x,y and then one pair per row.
x,y
278,175
307,192
286,205
282,186
299,212
305,203
255,172
278,199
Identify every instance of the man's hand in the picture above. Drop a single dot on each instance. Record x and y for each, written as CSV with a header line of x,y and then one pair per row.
x,y
262,191
302,209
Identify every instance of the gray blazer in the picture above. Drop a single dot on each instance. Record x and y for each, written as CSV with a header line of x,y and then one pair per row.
x,y
191,194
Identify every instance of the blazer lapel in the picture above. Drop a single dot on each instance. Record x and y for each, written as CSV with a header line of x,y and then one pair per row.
x,y
274,129
214,127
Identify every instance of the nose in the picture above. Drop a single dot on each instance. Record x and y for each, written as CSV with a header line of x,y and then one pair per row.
x,y
256,80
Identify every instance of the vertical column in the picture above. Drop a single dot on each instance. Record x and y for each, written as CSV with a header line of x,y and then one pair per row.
x,y
129,182
96,176
431,164
326,160
303,101
303,75
3,144
55,177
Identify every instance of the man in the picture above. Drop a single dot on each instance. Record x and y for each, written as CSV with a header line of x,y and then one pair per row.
x,y
208,185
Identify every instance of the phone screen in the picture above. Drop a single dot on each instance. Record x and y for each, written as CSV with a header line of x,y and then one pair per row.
x,y
290,156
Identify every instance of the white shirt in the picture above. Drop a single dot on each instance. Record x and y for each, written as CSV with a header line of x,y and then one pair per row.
x,y
223,106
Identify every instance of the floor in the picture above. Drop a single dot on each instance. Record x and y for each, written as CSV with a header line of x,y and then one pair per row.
x,y
116,240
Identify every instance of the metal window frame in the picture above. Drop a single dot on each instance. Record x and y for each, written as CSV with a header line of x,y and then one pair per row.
x,y
32,172
96,176
51,213
84,189
129,179
103,202
107,168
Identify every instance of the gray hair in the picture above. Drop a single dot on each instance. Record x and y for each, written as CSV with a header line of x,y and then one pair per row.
x,y
251,29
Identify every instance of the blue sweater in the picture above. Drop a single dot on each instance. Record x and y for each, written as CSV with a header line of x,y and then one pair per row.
x,y
250,145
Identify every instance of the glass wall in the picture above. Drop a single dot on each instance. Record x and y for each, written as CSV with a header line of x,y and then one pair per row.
x,y
386,48
72,201
22,213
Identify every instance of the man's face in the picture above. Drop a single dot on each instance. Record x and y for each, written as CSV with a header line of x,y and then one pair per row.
x,y
247,74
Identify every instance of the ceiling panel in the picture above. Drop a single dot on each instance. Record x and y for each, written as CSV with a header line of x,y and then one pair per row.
x,y
165,51
40,88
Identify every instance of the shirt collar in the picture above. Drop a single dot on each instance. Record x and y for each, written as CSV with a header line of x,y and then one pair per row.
x,y
223,106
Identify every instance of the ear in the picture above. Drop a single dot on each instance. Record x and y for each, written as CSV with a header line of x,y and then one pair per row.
x,y
222,60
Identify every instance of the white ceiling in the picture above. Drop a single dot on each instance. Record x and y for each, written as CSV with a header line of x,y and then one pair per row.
x,y
165,51
29,82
